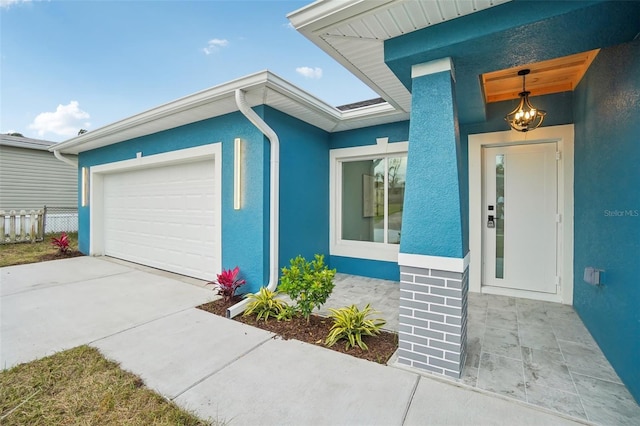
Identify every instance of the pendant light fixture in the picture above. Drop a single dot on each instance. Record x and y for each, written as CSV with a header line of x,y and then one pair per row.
x,y
525,117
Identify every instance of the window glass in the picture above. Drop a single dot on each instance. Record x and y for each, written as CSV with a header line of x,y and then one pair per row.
x,y
397,169
372,199
363,200
500,215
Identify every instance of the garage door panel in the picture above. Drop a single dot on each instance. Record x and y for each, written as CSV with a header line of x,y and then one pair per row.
x,y
164,217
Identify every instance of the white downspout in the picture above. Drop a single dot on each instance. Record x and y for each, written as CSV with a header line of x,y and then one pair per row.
x,y
274,191
69,161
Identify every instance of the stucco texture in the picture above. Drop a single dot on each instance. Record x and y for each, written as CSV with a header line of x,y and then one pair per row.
x,y
607,206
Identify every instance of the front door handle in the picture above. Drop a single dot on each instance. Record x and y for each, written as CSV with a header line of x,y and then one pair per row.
x,y
491,223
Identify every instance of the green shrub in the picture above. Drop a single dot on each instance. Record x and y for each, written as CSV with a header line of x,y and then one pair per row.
x,y
308,284
287,313
265,304
351,324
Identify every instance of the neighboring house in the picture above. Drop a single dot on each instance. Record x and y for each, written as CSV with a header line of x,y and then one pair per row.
x,y
31,177
429,187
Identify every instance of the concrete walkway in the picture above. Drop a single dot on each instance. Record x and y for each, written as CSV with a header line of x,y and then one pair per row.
x,y
221,369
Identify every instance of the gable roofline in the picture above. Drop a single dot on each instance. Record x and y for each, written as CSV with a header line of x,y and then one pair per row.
x,y
261,88
24,142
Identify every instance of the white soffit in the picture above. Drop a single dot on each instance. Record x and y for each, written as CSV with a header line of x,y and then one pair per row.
x,y
353,33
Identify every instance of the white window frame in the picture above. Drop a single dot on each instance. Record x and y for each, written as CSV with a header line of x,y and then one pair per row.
x,y
358,249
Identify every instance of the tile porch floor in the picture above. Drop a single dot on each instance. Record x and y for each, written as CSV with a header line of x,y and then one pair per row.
x,y
536,352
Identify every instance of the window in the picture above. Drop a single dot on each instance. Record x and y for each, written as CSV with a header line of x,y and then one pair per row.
x,y
367,200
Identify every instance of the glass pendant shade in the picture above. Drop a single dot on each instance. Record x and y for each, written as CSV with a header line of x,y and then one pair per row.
x,y
525,117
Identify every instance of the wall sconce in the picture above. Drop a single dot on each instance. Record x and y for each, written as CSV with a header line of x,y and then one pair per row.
x,y
85,187
237,173
525,117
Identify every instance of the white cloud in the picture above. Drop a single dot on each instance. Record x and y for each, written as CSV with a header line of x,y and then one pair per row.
x,y
289,26
9,3
309,72
67,120
214,45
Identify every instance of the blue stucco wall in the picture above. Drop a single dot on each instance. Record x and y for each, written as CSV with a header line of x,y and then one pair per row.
x,y
304,187
245,232
607,206
366,267
548,29
396,132
433,210
559,108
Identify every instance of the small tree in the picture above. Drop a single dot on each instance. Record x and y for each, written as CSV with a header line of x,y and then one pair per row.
x,y
309,284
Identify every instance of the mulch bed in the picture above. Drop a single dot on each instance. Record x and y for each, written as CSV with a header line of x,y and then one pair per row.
x,y
381,347
57,255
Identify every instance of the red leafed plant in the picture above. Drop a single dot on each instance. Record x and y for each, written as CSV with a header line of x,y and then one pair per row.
x,y
227,283
61,243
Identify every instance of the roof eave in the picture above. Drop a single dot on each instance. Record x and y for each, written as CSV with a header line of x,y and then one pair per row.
x,y
312,19
142,124
181,104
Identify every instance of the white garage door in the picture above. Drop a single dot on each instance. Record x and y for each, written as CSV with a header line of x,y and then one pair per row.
x,y
164,217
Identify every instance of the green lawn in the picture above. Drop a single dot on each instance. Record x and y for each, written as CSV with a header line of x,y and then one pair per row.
x,y
80,387
21,253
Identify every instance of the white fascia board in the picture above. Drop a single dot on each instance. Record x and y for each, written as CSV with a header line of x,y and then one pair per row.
x,y
323,13
190,101
294,93
315,19
265,80
258,81
323,43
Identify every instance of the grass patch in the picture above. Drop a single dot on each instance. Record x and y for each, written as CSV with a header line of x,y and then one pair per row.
x,y
79,386
22,253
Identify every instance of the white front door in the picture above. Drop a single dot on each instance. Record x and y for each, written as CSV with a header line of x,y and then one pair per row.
x,y
520,206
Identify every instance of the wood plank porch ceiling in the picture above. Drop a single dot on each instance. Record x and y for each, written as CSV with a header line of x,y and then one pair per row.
x,y
546,77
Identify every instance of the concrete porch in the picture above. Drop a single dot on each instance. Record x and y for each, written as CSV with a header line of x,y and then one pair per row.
x,y
535,352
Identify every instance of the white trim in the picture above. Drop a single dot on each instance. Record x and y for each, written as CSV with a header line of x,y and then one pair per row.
x,y
366,250
357,249
382,147
564,137
178,156
97,173
432,67
382,142
452,264
259,89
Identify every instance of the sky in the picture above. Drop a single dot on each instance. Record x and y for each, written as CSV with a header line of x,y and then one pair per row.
x,y
70,65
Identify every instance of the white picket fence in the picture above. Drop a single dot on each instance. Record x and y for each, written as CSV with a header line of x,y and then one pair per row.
x,y
22,226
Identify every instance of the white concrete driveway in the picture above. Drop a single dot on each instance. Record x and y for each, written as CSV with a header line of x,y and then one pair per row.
x,y
52,306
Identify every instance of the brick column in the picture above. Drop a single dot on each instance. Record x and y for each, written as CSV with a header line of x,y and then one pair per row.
x,y
433,319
